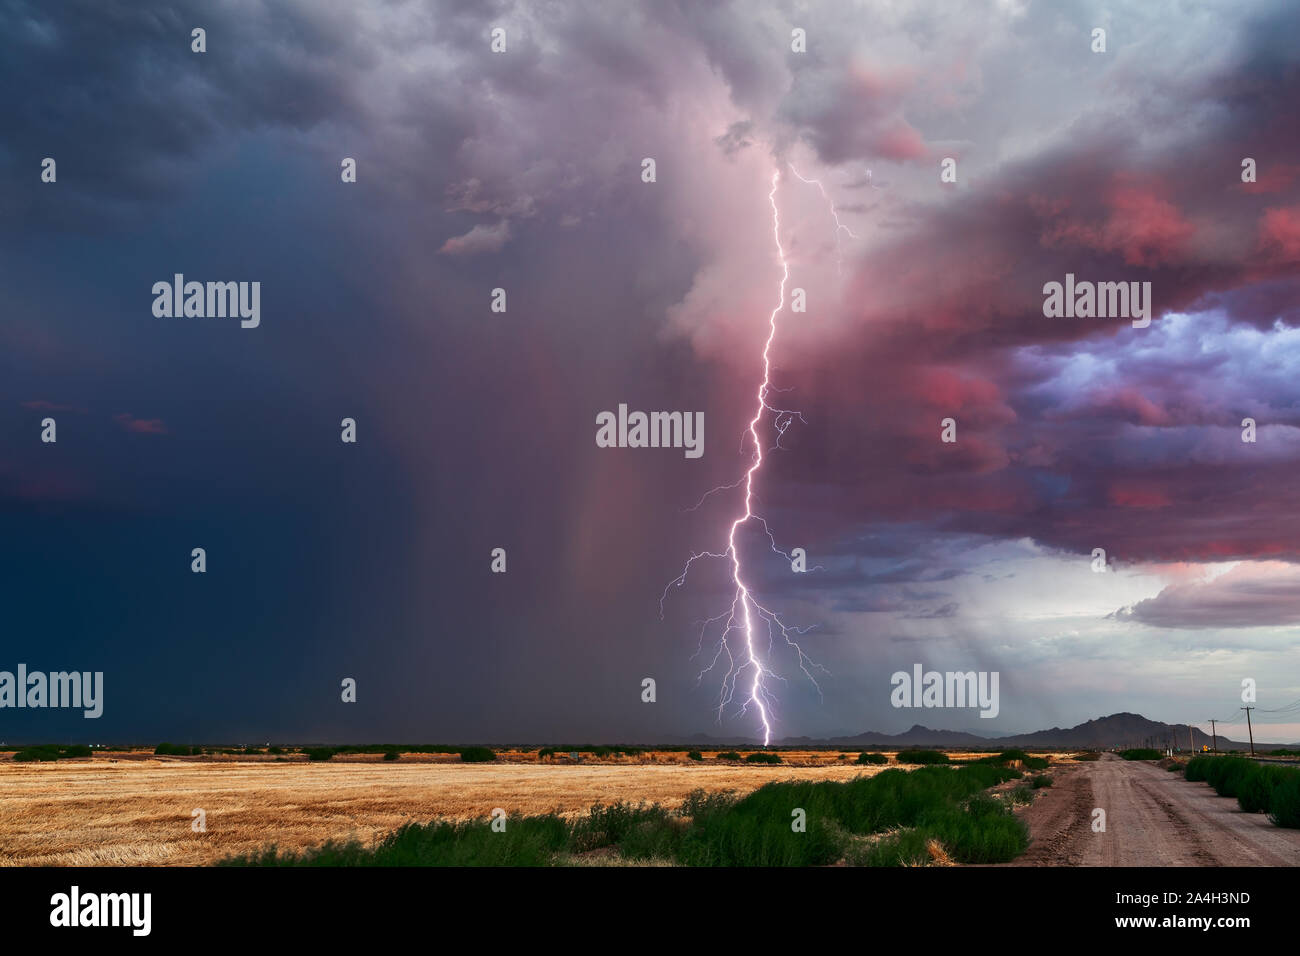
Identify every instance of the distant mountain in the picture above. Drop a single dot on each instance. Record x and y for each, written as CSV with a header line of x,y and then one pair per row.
x,y
916,736
1117,730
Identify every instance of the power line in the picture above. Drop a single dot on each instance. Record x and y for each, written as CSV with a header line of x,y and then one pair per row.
x,y
1294,705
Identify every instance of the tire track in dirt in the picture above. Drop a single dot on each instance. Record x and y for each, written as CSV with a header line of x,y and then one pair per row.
x,y
1058,819
1181,827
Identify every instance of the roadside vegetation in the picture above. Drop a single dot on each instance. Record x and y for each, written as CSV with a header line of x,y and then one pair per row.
x,y
1019,795
1259,788
894,818
1142,753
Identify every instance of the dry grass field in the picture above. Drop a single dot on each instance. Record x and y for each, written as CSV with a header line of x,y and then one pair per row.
x,y
135,809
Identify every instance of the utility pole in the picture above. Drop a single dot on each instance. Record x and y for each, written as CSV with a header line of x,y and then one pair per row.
x,y
1191,744
1249,730
1214,734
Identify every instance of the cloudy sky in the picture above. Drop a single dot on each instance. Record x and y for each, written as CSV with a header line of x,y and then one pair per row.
x,y
522,170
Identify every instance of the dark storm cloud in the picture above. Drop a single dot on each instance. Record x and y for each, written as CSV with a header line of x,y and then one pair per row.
x,y
113,92
1261,304
522,170
947,321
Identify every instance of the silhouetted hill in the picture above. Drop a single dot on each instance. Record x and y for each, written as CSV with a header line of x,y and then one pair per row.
x,y
1117,730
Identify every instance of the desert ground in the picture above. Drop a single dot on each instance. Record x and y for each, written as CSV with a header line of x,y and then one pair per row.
x,y
135,809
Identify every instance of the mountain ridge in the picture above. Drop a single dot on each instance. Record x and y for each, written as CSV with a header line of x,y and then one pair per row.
x,y
1123,729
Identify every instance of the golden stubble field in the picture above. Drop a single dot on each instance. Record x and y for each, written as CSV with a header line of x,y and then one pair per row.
x,y
119,809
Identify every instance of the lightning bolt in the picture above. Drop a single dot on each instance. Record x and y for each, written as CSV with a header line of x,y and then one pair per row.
x,y
839,226
745,663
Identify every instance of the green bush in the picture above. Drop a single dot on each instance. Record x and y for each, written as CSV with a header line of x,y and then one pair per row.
x,y
1021,795
595,751
1284,808
729,755
319,753
904,848
1141,753
392,755
37,753
609,825
1227,774
1014,754
1259,788
34,754
921,757
1255,792
755,831
694,755
1005,756
763,757
176,750
47,752
891,798
1040,781
871,758
982,830
478,755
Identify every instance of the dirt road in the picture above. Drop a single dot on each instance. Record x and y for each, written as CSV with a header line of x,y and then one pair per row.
x,y
1153,818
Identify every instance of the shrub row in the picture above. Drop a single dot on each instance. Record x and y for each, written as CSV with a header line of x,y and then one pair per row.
x,y
394,751
1259,788
921,756
1141,753
44,752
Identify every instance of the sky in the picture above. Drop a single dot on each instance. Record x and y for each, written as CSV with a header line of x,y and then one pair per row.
x,y
476,429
